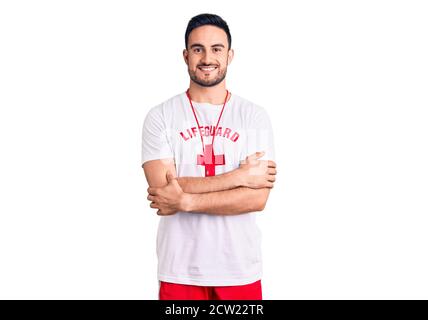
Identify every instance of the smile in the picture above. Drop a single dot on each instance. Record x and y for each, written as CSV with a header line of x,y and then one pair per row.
x,y
207,69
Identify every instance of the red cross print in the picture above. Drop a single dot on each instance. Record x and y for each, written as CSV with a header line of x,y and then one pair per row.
x,y
210,160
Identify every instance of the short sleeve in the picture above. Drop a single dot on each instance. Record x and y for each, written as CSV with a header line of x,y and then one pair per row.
x,y
155,140
259,136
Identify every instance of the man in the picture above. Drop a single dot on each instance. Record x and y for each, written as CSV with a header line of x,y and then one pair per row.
x,y
207,155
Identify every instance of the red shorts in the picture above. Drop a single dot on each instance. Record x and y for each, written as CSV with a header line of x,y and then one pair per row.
x,y
175,291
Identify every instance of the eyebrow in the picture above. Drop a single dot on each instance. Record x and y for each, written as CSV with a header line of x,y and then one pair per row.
x,y
200,45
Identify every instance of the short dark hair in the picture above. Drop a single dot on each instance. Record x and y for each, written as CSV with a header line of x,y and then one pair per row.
x,y
207,19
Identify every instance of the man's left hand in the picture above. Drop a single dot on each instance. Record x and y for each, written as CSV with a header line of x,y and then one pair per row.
x,y
168,199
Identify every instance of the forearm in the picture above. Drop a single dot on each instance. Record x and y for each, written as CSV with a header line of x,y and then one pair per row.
x,y
225,181
230,202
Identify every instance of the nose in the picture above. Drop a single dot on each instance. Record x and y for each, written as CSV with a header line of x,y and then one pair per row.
x,y
206,58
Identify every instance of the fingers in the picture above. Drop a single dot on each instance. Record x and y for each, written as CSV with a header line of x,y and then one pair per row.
x,y
152,191
162,212
251,156
259,154
271,171
255,156
268,163
271,164
271,178
271,175
267,184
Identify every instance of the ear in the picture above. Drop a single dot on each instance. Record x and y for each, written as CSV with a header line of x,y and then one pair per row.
x,y
185,56
230,54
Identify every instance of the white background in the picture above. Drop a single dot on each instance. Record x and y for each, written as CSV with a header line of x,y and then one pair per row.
x,y
345,84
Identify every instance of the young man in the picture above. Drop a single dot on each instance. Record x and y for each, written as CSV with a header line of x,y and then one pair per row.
x,y
208,158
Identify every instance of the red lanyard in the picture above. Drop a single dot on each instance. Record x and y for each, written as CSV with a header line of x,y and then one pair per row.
x,y
199,127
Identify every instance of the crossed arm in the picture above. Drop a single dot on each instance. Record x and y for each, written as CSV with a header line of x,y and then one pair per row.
x,y
242,190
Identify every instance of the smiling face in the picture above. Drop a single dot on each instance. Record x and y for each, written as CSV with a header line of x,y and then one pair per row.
x,y
207,55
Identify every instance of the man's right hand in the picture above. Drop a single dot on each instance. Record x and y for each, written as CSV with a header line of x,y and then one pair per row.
x,y
255,174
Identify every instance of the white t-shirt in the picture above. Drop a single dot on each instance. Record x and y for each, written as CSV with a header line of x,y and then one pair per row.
x,y
200,248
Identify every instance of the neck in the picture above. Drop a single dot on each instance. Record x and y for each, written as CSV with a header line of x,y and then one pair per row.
x,y
213,95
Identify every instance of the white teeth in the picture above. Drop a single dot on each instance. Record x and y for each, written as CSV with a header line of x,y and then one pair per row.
x,y
208,69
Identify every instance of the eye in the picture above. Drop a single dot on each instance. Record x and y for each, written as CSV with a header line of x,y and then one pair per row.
x,y
197,50
217,49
